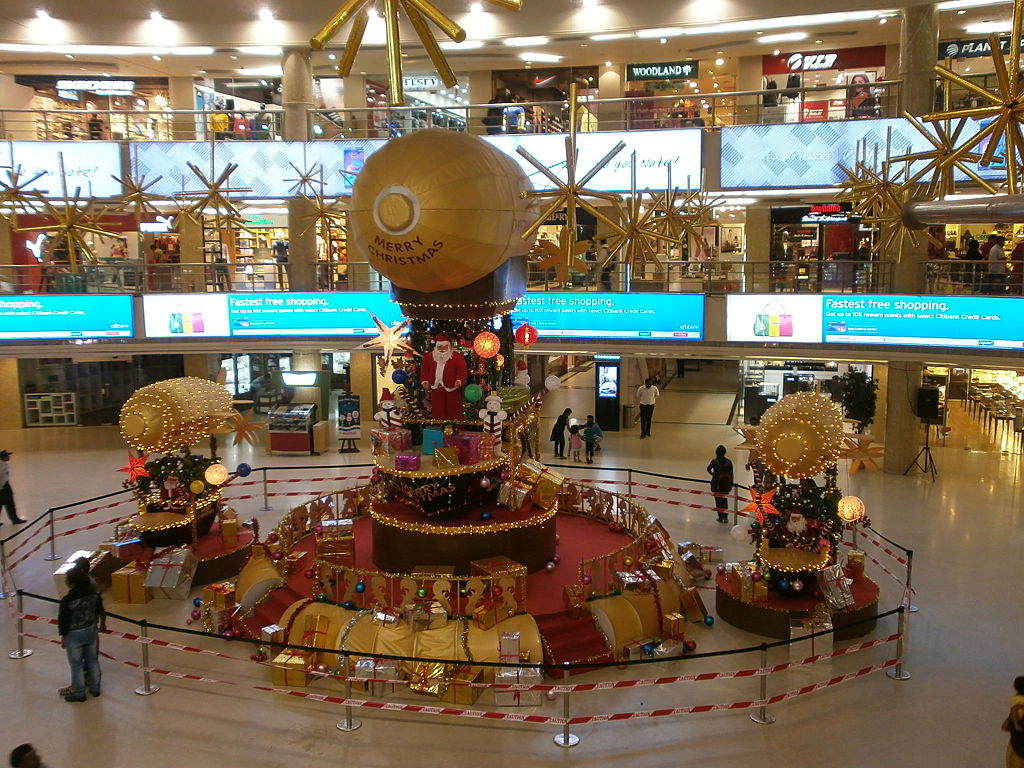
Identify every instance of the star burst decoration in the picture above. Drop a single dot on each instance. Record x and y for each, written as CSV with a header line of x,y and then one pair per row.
x,y
761,504
698,212
136,468
245,427
136,197
389,340
73,218
418,12
324,213
564,256
638,233
308,182
226,212
1005,107
16,194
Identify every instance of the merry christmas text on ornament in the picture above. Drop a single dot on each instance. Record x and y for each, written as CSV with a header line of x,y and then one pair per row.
x,y
393,252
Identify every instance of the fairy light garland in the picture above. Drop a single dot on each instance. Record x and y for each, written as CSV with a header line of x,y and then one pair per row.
x,y
472,530
387,464
801,435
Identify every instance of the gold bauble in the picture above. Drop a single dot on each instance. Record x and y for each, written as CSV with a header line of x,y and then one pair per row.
x,y
850,509
197,487
801,435
437,210
172,414
216,474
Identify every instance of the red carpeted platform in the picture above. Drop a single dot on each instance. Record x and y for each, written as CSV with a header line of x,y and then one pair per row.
x,y
569,639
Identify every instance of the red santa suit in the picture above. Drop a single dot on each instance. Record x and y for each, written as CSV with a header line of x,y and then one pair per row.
x,y
443,374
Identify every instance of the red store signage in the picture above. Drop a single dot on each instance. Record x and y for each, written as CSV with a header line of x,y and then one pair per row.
x,y
872,56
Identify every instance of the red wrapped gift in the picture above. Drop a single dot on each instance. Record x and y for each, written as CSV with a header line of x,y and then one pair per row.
x,y
220,595
389,441
408,462
468,446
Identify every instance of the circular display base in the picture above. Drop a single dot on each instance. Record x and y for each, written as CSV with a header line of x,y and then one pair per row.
x,y
402,539
771,617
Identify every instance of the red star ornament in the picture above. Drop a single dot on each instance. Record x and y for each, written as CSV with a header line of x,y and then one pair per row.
x,y
761,504
136,468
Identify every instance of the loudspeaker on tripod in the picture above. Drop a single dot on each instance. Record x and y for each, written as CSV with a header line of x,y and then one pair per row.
x,y
927,404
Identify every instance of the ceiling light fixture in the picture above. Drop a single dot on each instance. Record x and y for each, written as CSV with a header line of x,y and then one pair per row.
x,y
466,45
648,34
155,57
41,14
476,7
719,62
950,5
776,52
784,22
192,50
156,16
331,56
989,27
266,14
524,42
606,36
607,63
783,37
533,56
261,50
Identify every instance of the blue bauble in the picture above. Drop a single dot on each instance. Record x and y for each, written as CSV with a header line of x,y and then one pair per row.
x,y
783,584
709,620
244,470
400,376
349,605
360,587
485,516
648,648
197,602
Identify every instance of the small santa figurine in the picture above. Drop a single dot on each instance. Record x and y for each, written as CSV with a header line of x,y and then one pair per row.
x,y
492,416
522,374
390,415
442,374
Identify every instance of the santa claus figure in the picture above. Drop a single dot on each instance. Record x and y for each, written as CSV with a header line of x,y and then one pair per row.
x,y
442,374
492,416
522,374
389,416
796,523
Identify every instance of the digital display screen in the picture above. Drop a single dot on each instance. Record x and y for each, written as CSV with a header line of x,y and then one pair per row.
x,y
613,315
607,381
776,317
66,317
177,315
301,314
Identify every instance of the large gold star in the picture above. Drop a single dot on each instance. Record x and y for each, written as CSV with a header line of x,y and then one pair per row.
x,y
245,427
1005,106
16,195
325,213
417,12
559,258
942,160
389,340
862,451
136,197
226,212
639,238
73,218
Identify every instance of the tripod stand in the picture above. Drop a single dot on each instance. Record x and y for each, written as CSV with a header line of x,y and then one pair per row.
x,y
924,460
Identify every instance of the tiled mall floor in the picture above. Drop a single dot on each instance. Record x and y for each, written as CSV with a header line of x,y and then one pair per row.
x,y
964,645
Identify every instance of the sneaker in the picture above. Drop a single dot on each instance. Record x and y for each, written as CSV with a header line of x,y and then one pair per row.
x,y
73,697
67,690
20,520
96,693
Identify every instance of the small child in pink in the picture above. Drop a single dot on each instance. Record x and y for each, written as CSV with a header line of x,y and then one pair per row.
x,y
575,442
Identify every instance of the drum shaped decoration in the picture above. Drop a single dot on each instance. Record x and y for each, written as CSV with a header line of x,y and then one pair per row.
x,y
437,210
801,435
174,413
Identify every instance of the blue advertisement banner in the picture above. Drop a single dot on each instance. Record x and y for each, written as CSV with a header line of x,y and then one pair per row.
x,y
936,321
66,317
613,315
304,314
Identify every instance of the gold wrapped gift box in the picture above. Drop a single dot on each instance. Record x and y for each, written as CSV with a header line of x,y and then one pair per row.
x,y
574,600
487,615
513,494
229,532
424,616
290,668
428,678
855,564
127,586
673,624
458,689
446,458
220,596
693,605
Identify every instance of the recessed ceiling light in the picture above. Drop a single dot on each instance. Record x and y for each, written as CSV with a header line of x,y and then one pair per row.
x,y
192,50
883,20
663,40
647,34
105,74
607,63
155,57
782,37
68,56
523,42
156,16
234,58
949,5
476,7
610,36
466,45
260,50
817,42
533,56
41,14
719,53
331,56
719,62
961,12
776,52
967,69
266,14
989,27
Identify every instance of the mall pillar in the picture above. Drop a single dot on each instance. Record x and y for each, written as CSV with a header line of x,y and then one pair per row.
x,y
481,91
908,274
353,95
190,247
611,84
903,431
10,393
757,231
181,95
919,39
297,95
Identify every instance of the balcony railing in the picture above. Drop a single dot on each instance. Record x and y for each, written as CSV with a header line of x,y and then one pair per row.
x,y
711,110
965,278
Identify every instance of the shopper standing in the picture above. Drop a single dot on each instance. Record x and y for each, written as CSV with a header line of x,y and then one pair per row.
x,y
25,756
996,266
1014,724
6,492
607,264
558,433
80,618
647,395
591,435
720,469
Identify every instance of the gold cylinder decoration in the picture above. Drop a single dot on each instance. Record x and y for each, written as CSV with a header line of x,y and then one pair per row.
x,y
437,210
172,414
801,435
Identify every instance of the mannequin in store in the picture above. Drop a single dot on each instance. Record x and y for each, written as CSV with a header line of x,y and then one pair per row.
x,y
862,102
281,257
515,116
95,126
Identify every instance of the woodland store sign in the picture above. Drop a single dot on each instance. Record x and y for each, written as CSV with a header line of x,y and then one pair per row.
x,y
669,70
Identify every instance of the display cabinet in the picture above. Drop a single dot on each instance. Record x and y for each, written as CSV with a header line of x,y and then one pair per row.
x,y
290,428
50,409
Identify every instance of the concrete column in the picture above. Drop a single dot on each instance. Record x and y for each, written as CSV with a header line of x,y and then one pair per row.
x,y
296,93
748,78
10,393
611,84
909,271
200,366
353,95
919,38
902,429
6,252
181,94
302,264
481,90
190,246
758,232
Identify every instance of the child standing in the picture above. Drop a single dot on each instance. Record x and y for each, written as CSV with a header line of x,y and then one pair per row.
x,y
591,434
575,442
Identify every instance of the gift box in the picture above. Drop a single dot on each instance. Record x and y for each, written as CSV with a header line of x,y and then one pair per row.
x,y
458,689
740,574
855,564
487,614
574,600
641,649
101,568
468,446
508,697
508,647
759,590
503,567
693,566
711,555
407,462
488,442
529,471
664,569
432,439
272,633
129,550
389,441
373,676
229,532
289,668
689,546
127,585
693,605
668,649
673,625
428,678
220,595
338,552
446,458
293,561
546,489
314,632
336,528
641,581
834,587
170,574
800,629
426,615
513,494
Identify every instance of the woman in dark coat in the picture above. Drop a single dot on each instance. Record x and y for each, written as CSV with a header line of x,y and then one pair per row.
x,y
558,433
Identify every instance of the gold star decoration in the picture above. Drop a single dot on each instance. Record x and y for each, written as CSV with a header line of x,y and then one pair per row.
x,y
862,451
73,218
1005,107
761,504
698,213
559,257
749,444
418,12
16,195
389,340
671,215
136,197
308,182
226,212
943,160
324,213
245,427
571,193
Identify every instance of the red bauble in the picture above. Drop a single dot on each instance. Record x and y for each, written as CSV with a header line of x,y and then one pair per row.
x,y
526,334
273,538
486,344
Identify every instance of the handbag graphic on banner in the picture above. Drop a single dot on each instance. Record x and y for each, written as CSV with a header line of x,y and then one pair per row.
x,y
773,321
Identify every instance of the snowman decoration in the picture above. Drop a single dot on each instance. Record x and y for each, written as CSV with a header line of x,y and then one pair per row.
x,y
522,374
390,415
492,415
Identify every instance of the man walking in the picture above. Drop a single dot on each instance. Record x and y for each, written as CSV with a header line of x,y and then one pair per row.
x,y
647,394
6,492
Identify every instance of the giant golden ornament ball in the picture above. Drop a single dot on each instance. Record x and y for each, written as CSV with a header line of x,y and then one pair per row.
x,y
437,210
801,435
174,413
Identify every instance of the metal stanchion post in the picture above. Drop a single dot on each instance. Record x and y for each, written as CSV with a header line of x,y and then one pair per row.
x,y
266,500
349,723
735,504
53,541
629,481
22,651
145,689
898,672
566,739
3,570
910,570
763,716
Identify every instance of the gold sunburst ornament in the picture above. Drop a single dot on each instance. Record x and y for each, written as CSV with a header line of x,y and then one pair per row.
x,y
564,256
74,217
136,197
639,237
17,195
245,427
418,12
389,340
1005,106
214,196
